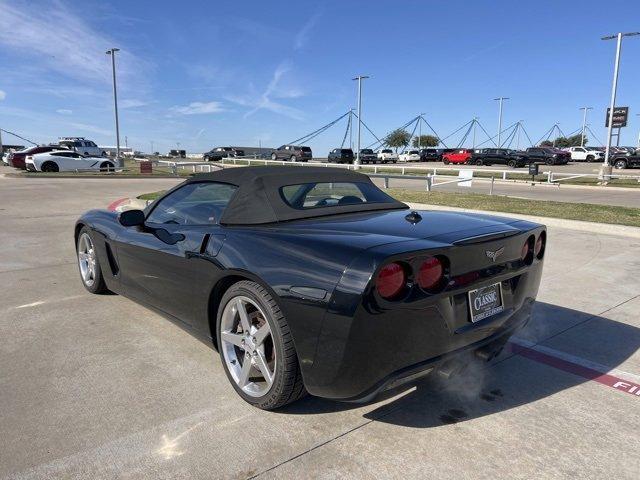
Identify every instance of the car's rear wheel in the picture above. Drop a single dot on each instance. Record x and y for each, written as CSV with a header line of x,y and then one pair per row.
x,y
274,156
256,347
620,164
90,271
50,167
107,167
445,161
590,158
550,161
512,163
293,158
479,162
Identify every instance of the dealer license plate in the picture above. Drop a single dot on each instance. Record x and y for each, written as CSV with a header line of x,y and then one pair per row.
x,y
485,302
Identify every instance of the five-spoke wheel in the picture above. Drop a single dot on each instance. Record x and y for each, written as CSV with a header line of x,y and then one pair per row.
x,y
256,347
88,264
247,346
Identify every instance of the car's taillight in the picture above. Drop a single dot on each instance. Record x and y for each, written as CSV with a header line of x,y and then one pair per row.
x,y
391,280
538,250
430,273
526,254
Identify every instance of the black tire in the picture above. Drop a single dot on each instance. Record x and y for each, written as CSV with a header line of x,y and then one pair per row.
x,y
288,385
550,161
293,158
620,164
446,162
107,167
274,156
479,162
50,167
590,158
98,286
512,163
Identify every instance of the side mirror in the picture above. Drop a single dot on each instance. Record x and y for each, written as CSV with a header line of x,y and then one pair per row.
x,y
131,218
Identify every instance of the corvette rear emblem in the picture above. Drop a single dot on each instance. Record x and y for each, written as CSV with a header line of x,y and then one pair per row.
x,y
493,255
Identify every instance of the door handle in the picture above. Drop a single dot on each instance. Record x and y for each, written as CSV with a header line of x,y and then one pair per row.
x,y
167,237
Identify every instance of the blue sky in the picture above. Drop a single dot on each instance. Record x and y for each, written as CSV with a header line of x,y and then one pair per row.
x,y
239,73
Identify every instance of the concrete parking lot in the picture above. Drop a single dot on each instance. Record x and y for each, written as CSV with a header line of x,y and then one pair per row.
x,y
99,387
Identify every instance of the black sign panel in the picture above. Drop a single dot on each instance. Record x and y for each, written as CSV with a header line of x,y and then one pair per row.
x,y
620,115
485,302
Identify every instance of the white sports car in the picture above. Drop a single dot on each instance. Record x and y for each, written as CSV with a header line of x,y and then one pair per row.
x,y
67,161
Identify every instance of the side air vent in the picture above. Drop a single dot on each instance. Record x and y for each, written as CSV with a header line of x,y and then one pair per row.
x,y
113,265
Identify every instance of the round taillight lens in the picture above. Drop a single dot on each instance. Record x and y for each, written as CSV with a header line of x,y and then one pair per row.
x,y
538,250
430,273
526,248
391,280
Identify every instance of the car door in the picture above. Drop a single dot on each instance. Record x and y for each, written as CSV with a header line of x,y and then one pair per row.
x,y
167,263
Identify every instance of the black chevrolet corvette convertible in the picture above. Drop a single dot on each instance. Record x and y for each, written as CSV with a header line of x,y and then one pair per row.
x,y
311,279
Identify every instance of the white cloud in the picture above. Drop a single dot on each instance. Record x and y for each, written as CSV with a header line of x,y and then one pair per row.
x,y
131,103
198,108
302,37
62,41
64,111
3,95
265,101
91,128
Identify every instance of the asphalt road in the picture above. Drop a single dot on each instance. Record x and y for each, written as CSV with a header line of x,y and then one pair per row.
x,y
99,387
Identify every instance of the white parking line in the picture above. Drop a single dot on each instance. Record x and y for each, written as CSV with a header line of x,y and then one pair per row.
x,y
43,302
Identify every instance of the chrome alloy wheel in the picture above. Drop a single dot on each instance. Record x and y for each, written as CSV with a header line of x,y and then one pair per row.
x,y
87,259
247,346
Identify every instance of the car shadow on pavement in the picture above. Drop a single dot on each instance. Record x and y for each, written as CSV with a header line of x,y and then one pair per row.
x,y
510,381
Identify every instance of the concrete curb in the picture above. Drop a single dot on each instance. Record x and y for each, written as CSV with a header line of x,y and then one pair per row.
x,y
592,227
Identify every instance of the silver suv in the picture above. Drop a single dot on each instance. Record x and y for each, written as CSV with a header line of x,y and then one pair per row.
x,y
82,146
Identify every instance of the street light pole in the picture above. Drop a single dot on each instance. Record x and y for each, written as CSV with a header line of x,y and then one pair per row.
x,y
637,115
112,52
475,120
606,167
584,123
359,78
500,99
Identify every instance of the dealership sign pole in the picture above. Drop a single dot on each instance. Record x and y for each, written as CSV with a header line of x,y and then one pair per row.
x,y
606,168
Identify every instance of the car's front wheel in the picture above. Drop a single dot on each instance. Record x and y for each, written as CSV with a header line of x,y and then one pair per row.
x,y
293,158
512,163
620,164
256,347
274,156
107,167
479,162
590,158
90,271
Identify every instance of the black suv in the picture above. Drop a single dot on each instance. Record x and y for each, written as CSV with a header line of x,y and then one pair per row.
x,y
433,154
295,153
340,155
548,155
218,153
368,156
626,161
501,156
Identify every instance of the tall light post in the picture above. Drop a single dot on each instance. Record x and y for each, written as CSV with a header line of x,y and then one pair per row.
x,y
501,100
112,52
637,115
473,144
606,167
584,123
359,78
420,130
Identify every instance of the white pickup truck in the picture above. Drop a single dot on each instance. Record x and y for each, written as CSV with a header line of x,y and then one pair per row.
x,y
585,154
386,155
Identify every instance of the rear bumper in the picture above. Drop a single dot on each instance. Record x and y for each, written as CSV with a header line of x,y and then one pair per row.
x,y
30,167
374,350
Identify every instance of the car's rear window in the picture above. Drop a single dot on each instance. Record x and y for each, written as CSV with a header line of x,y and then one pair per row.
x,y
386,150
305,149
316,195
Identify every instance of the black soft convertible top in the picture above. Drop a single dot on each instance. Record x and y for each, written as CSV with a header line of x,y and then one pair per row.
x,y
258,200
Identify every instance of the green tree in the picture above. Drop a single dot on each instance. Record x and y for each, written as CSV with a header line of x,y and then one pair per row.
x,y
564,142
426,141
398,138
